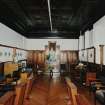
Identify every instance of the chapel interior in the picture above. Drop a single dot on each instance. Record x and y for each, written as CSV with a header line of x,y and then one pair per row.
x,y
52,52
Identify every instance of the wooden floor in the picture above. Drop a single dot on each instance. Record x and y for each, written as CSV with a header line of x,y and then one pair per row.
x,y
47,91
85,91
89,95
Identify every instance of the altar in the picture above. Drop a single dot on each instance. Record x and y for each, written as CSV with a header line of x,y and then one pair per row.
x,y
52,59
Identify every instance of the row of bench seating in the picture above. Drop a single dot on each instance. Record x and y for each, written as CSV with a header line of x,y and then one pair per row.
x,y
74,97
20,93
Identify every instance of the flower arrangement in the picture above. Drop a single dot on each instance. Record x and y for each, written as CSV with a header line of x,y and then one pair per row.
x,y
80,66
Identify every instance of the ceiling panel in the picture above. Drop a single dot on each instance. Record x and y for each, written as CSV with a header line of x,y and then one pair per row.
x,y
31,17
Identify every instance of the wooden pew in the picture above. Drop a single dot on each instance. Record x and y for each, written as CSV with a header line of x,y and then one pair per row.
x,y
20,93
7,98
28,87
81,100
72,91
76,99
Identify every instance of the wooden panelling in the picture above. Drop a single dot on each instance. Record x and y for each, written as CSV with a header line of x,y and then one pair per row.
x,y
40,57
30,57
35,57
72,57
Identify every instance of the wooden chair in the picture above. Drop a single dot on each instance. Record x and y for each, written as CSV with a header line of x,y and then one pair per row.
x,y
7,98
20,93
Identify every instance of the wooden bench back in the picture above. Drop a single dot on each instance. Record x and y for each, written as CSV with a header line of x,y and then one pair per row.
x,y
90,76
81,100
7,98
28,88
72,91
20,92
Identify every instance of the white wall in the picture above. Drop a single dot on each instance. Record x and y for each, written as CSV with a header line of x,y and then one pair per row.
x,y
81,42
11,38
99,36
99,32
87,45
95,37
39,44
89,41
91,38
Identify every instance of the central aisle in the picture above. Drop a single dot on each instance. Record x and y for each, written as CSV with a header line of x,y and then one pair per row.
x,y
47,91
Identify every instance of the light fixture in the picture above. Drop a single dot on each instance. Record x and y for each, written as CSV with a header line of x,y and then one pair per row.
x,y
49,10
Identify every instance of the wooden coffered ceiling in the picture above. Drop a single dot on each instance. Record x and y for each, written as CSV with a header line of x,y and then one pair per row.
x,y
31,17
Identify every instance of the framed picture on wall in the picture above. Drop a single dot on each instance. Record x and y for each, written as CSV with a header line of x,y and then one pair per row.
x,y
91,55
84,55
80,55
